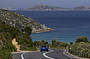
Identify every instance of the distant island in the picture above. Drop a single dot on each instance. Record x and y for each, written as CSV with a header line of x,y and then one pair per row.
x,y
43,8
53,8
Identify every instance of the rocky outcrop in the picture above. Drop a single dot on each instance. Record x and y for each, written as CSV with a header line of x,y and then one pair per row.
x,y
15,44
42,29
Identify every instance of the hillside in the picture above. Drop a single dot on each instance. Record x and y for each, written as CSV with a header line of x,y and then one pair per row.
x,y
15,29
7,34
21,21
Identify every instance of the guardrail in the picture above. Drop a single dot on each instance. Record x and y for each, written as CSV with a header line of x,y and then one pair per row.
x,y
80,54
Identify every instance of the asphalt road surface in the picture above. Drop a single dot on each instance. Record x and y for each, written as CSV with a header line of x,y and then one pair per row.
x,y
52,54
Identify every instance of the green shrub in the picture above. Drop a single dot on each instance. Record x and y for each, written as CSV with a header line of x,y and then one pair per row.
x,y
7,33
28,30
5,52
82,39
71,43
37,43
54,42
31,49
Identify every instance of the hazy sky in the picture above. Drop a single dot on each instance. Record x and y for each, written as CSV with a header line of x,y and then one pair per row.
x,y
29,3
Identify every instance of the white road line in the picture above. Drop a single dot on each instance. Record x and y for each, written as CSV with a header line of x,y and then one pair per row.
x,y
22,56
44,54
67,55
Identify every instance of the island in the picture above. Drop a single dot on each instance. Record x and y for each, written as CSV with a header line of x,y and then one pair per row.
x,y
54,8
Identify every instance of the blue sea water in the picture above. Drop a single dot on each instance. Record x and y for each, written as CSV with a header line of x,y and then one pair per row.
x,y
67,25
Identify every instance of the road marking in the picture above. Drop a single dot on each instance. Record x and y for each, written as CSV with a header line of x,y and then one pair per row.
x,y
67,55
44,54
22,56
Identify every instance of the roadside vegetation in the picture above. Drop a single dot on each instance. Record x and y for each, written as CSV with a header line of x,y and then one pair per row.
x,y
15,26
81,47
7,33
54,44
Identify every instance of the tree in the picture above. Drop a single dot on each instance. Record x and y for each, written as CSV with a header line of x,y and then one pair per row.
x,y
36,43
82,39
28,30
71,43
54,42
43,42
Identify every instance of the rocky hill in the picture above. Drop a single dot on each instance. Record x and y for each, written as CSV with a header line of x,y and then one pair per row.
x,y
21,21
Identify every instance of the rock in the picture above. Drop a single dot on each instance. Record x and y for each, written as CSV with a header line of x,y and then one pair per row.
x,y
15,43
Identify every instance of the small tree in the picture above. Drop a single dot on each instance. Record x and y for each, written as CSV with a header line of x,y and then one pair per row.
x,y
36,43
82,39
54,42
71,43
28,30
43,42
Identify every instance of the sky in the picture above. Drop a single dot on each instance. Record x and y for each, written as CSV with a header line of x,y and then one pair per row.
x,y
30,3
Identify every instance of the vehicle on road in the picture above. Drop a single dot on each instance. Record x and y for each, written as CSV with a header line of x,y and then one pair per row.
x,y
43,48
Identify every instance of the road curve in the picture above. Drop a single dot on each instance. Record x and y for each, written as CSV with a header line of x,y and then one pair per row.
x,y
54,54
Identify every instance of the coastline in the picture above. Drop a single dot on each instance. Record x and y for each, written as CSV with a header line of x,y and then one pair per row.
x,y
41,30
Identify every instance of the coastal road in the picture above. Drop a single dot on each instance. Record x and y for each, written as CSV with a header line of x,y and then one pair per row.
x,y
52,54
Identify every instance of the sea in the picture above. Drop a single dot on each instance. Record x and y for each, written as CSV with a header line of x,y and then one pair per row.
x,y
67,25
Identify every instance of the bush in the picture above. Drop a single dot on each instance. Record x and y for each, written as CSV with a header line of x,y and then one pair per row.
x,y
82,39
31,49
28,30
5,52
5,55
43,42
71,43
37,43
7,33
